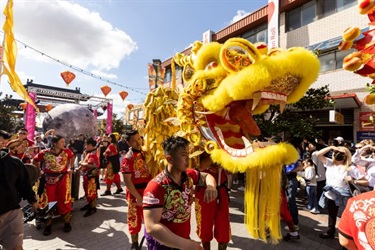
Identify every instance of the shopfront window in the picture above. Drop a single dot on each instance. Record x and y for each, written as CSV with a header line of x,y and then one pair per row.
x,y
326,8
300,16
314,10
333,60
258,34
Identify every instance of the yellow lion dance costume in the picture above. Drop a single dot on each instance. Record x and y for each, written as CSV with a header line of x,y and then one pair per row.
x,y
224,85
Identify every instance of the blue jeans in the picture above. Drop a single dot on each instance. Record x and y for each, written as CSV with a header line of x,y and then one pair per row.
x,y
311,197
291,198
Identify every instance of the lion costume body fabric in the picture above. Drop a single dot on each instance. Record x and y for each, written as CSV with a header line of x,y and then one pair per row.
x,y
224,85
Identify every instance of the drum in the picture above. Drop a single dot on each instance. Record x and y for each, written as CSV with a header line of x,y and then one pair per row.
x,y
76,175
34,173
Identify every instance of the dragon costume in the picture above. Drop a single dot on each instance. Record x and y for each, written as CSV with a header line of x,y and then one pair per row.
x,y
224,86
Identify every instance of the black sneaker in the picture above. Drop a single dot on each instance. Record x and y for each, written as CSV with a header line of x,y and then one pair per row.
x,y
84,208
90,211
106,193
326,236
47,230
67,227
134,246
289,237
119,191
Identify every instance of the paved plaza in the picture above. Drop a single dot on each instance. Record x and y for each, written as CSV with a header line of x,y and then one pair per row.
x,y
107,229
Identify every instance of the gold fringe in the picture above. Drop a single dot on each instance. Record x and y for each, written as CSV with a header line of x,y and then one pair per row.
x,y
262,208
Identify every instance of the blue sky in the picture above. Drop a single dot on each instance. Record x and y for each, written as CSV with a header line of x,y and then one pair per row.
x,y
114,39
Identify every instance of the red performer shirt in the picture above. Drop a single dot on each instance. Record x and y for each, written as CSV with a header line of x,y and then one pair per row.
x,y
54,163
358,220
213,170
175,200
111,150
92,159
134,163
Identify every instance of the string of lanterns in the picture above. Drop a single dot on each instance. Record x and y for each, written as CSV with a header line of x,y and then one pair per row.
x,y
69,75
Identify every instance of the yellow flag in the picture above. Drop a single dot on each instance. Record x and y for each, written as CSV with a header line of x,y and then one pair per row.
x,y
10,54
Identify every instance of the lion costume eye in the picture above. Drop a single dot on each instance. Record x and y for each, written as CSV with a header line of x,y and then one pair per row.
x,y
211,65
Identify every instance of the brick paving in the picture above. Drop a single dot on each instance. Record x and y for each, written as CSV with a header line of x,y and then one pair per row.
x,y
107,229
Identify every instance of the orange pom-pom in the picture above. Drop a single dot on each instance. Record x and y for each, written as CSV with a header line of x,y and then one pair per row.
x,y
351,63
366,6
370,99
351,33
345,45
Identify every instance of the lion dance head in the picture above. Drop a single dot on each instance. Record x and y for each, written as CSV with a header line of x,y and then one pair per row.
x,y
225,85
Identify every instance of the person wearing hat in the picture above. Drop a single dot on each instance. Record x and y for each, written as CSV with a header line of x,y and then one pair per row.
x,y
340,140
18,148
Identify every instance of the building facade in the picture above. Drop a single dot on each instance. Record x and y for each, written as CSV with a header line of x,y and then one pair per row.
x,y
317,25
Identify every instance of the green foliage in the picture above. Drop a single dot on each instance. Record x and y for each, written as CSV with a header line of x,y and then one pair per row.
x,y
295,119
118,124
8,120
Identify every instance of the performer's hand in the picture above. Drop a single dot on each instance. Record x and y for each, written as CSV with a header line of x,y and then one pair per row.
x,y
139,201
193,245
210,194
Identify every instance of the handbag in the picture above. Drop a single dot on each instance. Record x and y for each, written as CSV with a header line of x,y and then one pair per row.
x,y
356,189
92,173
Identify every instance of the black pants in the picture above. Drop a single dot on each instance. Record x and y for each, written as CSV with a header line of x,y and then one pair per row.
x,y
332,217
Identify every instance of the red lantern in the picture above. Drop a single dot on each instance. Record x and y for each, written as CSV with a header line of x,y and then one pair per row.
x,y
23,105
49,107
123,94
68,77
130,106
105,89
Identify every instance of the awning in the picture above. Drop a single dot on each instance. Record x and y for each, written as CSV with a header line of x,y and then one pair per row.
x,y
331,43
346,101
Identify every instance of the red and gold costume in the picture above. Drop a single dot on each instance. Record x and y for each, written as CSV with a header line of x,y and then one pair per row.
x,y
111,177
55,168
90,183
134,163
214,214
175,200
357,222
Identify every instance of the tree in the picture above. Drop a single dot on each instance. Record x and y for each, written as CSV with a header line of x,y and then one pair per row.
x,y
118,124
8,119
295,119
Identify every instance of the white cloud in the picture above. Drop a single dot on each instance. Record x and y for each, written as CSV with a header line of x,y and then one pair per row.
x,y
71,33
240,14
104,74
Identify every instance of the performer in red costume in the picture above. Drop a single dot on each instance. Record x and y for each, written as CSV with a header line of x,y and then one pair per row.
x,y
136,176
213,217
112,166
168,198
90,167
56,166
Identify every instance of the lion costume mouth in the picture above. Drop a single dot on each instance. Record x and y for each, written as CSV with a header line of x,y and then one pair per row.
x,y
226,84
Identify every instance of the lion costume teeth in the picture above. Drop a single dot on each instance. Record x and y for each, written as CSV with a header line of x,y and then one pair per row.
x,y
225,84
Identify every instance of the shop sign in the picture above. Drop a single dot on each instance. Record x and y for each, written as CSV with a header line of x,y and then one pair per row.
x,y
365,122
336,117
365,136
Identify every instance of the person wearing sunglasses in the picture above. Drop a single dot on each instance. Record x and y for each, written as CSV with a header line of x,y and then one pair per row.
x,y
336,192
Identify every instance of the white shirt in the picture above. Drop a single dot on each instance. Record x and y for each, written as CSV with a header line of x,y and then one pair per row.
x,y
369,163
320,167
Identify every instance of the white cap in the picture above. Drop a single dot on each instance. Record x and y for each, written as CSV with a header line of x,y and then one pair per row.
x,y
339,138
